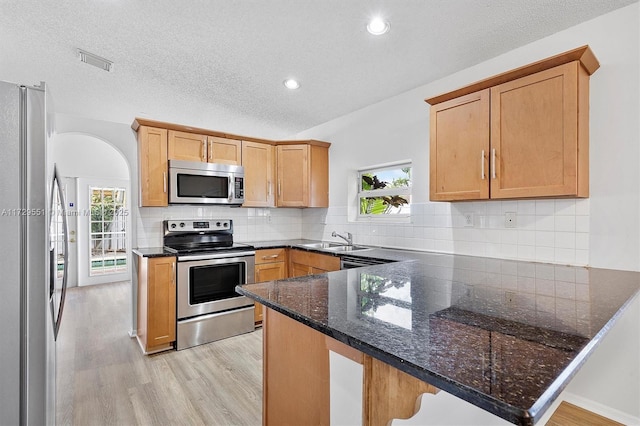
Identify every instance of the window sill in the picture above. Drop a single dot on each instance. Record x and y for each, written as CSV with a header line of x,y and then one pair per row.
x,y
384,219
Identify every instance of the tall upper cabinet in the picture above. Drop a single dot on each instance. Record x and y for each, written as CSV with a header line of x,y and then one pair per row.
x,y
303,174
153,165
520,134
259,164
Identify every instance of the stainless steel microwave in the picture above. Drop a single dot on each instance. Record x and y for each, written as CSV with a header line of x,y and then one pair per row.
x,y
193,182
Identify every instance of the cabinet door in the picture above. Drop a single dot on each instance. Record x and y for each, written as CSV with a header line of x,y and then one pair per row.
x,y
152,154
161,302
298,269
267,272
534,134
259,174
187,146
224,151
318,176
270,271
293,175
459,148
321,263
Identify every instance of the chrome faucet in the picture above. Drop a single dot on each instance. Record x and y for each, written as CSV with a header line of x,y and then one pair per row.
x,y
348,238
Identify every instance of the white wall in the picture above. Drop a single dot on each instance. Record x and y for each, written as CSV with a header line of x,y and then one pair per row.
x,y
601,231
83,155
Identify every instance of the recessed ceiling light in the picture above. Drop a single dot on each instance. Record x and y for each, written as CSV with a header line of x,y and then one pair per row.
x,y
290,83
378,26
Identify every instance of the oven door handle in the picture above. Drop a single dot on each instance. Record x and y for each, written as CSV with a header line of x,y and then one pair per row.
x,y
209,256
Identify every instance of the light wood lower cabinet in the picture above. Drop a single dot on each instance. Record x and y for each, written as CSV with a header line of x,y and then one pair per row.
x,y
296,386
303,262
271,264
295,373
156,303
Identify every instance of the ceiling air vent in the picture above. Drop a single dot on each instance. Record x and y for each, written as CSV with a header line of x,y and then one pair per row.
x,y
95,60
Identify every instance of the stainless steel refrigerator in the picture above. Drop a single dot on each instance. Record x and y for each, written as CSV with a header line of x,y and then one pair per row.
x,y
33,257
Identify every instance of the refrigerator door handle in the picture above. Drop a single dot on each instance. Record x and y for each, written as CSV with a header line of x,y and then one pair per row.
x,y
52,272
65,241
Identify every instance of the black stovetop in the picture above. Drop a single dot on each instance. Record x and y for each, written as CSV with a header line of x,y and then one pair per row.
x,y
195,247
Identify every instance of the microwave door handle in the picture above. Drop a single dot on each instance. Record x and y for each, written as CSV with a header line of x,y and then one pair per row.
x,y
230,188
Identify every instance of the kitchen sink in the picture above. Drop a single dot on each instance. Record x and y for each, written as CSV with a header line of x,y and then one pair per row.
x,y
322,245
333,247
341,248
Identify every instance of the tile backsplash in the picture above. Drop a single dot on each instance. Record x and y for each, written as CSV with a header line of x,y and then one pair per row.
x,y
555,231
249,224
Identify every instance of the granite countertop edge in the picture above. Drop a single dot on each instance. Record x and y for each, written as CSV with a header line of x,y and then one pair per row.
x,y
493,405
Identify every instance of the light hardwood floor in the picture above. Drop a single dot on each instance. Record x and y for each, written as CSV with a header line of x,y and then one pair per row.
x,y
103,378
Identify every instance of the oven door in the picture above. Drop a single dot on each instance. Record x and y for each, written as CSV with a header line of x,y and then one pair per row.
x,y
206,283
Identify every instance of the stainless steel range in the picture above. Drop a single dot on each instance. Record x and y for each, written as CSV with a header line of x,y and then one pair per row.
x,y
210,265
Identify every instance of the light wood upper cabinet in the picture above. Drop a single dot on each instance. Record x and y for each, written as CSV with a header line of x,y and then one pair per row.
x,y
196,147
535,135
153,166
187,146
303,175
277,173
224,151
522,134
458,154
258,160
156,303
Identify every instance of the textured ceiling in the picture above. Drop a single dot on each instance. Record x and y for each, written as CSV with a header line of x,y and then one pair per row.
x,y
220,63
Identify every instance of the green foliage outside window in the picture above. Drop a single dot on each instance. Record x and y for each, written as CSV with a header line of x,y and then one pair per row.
x,y
385,181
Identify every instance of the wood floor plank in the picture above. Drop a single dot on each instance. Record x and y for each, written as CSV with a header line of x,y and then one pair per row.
x,y
103,378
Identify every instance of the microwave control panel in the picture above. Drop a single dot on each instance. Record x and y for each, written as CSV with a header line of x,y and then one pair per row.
x,y
239,188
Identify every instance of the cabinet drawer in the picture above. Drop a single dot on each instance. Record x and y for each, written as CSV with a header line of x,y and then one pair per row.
x,y
270,255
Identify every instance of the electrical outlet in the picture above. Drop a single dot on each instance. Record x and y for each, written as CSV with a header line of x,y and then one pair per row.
x,y
468,219
510,220
510,297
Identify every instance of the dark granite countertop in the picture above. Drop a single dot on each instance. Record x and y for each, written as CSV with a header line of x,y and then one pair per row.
x,y
152,252
506,336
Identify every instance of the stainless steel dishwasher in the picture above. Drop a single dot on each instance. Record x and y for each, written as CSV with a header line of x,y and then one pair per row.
x,y
349,262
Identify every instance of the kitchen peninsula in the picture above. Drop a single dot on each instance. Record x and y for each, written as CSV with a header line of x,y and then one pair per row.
x,y
505,336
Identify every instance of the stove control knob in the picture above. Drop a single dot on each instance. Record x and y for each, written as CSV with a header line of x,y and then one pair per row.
x,y
226,225
181,224
173,226
218,224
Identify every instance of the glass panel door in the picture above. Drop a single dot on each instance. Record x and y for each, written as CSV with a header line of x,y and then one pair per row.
x,y
108,231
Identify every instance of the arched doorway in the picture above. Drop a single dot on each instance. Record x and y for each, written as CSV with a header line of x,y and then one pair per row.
x,y
96,179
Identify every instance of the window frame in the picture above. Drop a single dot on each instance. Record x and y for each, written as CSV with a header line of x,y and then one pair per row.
x,y
402,191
